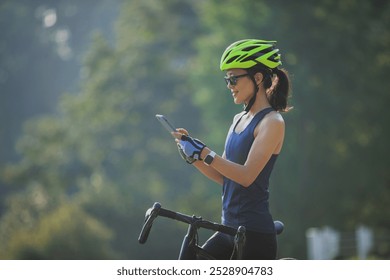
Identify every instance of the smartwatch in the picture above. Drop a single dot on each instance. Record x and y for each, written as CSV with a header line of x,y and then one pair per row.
x,y
209,158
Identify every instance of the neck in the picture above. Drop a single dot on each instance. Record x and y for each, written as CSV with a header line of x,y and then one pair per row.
x,y
260,103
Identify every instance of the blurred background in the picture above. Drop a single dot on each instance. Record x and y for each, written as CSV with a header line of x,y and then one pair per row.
x,y
82,156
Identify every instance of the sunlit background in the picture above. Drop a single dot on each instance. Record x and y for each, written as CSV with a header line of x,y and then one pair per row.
x,y
82,156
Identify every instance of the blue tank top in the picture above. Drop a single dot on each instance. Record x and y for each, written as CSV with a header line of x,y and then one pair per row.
x,y
247,206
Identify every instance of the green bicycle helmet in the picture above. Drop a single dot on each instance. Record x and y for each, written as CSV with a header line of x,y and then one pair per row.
x,y
250,52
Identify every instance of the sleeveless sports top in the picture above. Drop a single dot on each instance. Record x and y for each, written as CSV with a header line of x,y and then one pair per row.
x,y
247,206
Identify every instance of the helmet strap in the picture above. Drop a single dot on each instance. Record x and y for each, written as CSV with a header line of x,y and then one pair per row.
x,y
253,99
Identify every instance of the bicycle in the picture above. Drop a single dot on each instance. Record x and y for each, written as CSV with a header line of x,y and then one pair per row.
x,y
190,249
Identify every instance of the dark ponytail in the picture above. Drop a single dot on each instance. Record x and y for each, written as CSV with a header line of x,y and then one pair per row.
x,y
279,95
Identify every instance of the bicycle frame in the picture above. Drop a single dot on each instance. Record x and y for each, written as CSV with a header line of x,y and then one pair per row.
x,y
189,248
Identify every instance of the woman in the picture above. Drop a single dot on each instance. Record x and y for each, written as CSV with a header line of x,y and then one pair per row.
x,y
252,146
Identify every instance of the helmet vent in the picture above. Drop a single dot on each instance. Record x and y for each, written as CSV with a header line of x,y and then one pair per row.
x,y
249,58
232,59
226,55
248,49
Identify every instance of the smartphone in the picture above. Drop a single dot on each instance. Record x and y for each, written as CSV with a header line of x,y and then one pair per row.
x,y
164,121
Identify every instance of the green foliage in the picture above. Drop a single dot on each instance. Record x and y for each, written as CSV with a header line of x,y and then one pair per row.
x,y
87,174
66,233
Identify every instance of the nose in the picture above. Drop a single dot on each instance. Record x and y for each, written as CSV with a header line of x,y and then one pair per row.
x,y
229,85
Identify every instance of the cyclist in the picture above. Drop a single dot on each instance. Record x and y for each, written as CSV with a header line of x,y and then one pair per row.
x,y
252,146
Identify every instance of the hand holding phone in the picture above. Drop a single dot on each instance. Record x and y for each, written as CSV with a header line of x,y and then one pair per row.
x,y
168,126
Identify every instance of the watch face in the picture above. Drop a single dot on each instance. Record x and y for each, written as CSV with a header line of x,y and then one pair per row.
x,y
208,159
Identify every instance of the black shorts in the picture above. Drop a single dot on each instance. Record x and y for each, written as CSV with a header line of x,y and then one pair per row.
x,y
258,246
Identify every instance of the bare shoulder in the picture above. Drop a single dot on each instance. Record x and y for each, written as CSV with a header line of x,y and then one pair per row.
x,y
274,119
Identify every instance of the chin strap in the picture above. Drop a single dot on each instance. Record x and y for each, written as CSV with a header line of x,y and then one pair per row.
x,y
253,99
265,73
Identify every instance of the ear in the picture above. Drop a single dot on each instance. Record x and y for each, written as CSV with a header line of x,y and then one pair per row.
x,y
258,77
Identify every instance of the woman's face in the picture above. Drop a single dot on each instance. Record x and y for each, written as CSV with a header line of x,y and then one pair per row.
x,y
240,85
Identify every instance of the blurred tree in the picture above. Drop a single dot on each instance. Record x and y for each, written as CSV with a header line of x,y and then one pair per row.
x,y
66,233
339,123
106,150
42,43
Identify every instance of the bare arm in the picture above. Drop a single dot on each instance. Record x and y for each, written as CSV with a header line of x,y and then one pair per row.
x,y
209,172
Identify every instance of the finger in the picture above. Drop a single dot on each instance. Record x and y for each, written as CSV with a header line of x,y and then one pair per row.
x,y
177,135
182,131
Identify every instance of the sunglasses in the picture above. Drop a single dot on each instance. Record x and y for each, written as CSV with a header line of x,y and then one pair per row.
x,y
232,80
